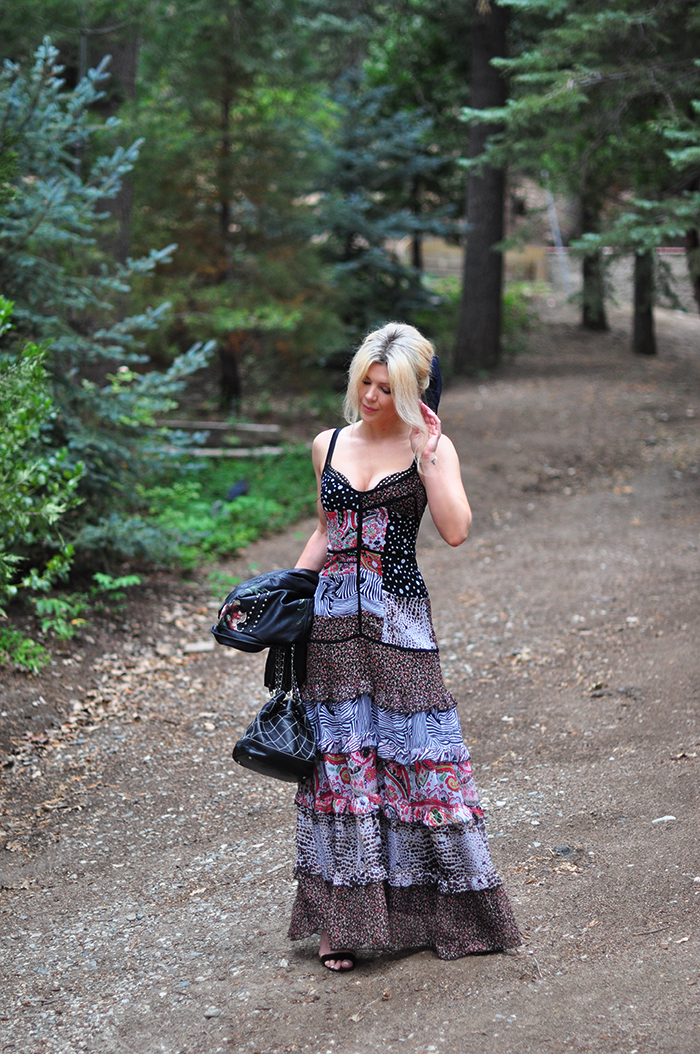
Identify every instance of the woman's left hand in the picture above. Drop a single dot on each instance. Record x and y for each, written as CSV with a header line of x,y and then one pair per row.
x,y
434,432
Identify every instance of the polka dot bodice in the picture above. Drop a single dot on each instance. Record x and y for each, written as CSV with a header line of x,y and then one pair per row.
x,y
376,529
370,586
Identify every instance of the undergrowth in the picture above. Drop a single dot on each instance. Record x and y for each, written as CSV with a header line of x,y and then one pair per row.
x,y
186,518
208,526
21,651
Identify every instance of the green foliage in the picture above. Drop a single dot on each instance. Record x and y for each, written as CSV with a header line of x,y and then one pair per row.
x,y
519,314
188,521
282,489
8,168
376,161
69,294
21,651
38,483
221,583
60,615
441,321
109,593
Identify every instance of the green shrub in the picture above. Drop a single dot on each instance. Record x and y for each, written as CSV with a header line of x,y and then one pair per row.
x,y
61,615
186,520
518,315
37,485
18,650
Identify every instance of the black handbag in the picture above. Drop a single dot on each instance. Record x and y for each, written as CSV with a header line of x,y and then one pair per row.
x,y
272,610
279,742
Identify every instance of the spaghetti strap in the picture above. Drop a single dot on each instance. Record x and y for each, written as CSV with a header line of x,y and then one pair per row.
x,y
331,448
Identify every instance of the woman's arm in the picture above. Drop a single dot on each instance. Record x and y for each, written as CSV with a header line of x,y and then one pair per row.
x,y
442,477
314,555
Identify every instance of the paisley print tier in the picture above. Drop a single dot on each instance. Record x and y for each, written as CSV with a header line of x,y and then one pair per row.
x,y
434,793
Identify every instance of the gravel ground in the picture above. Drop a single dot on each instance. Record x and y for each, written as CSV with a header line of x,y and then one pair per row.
x,y
145,881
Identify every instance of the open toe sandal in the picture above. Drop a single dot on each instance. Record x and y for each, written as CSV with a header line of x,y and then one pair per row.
x,y
339,956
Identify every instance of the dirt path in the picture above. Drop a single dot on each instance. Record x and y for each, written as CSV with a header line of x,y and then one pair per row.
x,y
146,883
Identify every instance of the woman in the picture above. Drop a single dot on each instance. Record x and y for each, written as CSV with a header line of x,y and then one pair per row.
x,y
391,846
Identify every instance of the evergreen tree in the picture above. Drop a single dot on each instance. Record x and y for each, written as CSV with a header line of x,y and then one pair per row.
x,y
420,55
67,292
375,161
589,98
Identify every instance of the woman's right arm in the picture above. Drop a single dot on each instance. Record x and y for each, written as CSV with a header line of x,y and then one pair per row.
x,y
314,555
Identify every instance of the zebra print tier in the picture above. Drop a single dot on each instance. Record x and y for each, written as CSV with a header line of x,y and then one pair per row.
x,y
357,850
428,735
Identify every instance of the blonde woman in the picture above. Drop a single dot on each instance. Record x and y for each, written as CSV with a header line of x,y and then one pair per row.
x,y
391,846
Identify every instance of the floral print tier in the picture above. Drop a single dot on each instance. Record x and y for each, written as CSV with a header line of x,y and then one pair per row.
x,y
391,845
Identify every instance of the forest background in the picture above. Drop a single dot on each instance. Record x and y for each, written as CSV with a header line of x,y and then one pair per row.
x,y
204,205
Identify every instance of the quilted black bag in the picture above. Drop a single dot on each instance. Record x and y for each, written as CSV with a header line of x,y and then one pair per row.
x,y
280,741
271,610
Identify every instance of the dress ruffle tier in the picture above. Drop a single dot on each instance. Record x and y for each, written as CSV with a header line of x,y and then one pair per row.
x,y
391,844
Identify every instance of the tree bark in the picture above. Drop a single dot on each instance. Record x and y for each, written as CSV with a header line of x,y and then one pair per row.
x,y
230,377
478,344
417,239
643,336
593,294
692,257
593,306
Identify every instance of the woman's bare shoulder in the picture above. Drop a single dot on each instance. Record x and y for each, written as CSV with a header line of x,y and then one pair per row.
x,y
319,447
322,441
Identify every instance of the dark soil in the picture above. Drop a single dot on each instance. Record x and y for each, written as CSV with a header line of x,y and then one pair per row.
x,y
146,881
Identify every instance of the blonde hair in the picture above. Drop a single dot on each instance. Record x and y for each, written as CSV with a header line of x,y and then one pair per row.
x,y
408,356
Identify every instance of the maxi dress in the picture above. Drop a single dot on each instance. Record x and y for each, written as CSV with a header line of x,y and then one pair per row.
x,y
391,843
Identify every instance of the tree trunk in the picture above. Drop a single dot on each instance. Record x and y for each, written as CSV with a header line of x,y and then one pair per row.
x,y
593,306
692,257
230,377
478,344
417,239
643,336
593,294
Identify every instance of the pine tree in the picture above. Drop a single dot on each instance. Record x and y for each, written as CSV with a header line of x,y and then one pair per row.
x,y
66,289
589,97
478,344
373,164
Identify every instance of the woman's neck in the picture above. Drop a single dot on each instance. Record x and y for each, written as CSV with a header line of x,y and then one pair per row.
x,y
395,431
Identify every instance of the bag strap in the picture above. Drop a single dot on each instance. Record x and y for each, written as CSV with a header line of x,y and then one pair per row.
x,y
331,448
285,668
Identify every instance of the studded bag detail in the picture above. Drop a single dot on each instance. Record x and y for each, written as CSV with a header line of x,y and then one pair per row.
x,y
270,610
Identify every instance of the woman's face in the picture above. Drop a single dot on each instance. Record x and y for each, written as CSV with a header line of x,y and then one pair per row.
x,y
376,400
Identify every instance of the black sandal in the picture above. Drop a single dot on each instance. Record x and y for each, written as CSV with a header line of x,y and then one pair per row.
x,y
339,956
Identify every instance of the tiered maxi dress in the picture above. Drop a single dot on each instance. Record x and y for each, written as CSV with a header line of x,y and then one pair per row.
x,y
391,844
